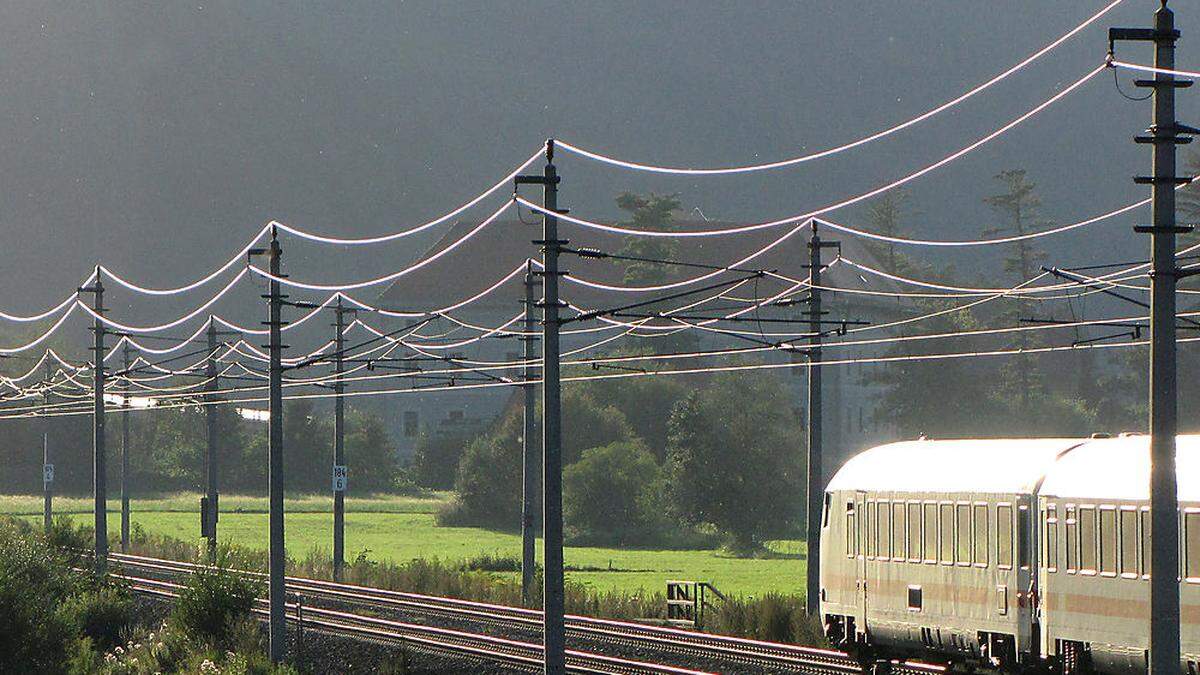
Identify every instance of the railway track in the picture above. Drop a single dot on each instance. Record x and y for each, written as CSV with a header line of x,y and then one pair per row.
x,y
684,647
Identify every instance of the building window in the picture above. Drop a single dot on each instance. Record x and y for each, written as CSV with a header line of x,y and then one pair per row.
x,y
412,425
1129,543
1004,530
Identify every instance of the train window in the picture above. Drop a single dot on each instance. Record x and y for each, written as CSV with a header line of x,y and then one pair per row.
x,y
946,533
930,529
1072,540
962,534
898,538
1051,539
885,530
1087,539
1004,531
825,512
1129,543
851,531
914,533
1191,528
872,529
861,547
1146,548
1023,536
981,535
1108,542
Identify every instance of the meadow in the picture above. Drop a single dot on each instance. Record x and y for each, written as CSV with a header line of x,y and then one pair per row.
x,y
401,528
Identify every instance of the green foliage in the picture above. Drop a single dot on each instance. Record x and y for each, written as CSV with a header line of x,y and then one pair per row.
x,y
772,617
214,601
370,456
646,404
104,615
436,458
648,212
886,215
489,473
1018,207
610,496
35,580
734,459
488,485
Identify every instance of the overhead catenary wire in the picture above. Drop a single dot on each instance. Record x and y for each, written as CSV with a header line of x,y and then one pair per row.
x,y
618,229
649,373
748,168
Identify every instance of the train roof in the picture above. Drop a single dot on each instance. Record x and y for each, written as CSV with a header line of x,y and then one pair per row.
x,y
1119,468
1116,468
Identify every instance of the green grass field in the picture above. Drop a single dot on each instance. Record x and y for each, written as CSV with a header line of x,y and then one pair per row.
x,y
403,528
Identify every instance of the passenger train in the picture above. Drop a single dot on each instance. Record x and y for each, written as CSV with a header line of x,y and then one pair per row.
x,y
1030,554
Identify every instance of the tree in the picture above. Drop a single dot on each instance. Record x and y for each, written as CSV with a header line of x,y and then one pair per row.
x,y
609,495
1018,207
436,458
935,398
373,466
885,216
734,459
488,481
646,404
308,438
648,212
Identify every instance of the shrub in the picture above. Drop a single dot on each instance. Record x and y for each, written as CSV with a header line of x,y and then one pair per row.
x,y
773,617
487,485
609,495
34,580
214,600
104,615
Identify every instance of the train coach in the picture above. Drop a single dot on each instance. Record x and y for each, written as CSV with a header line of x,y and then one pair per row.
x,y
1030,554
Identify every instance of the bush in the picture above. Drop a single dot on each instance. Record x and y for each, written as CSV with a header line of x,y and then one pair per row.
x,y
436,458
214,600
772,617
104,615
609,496
488,486
34,580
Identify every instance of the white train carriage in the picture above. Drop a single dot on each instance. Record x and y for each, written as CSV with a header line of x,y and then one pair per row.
x,y
962,548
1094,568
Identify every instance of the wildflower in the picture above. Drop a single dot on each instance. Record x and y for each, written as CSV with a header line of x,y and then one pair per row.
x,y
119,651
209,667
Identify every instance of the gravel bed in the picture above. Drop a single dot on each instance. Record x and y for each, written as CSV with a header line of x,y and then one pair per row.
x,y
337,653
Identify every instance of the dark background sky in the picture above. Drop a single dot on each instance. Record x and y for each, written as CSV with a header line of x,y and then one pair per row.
x,y
159,136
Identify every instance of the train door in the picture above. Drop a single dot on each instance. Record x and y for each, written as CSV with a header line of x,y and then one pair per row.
x,y
861,585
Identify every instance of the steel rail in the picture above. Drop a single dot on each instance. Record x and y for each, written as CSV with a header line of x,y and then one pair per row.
x,y
435,638
675,640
